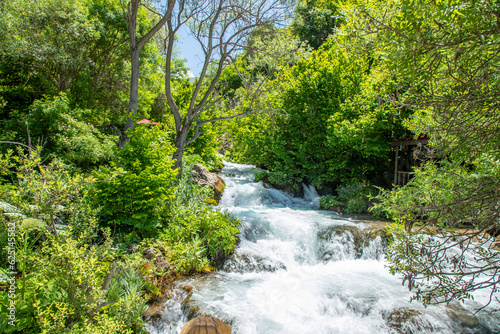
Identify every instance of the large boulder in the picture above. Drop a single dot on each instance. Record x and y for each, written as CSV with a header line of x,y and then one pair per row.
x,y
203,177
206,325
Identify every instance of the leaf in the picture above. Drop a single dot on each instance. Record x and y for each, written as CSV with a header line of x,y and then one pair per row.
x,y
32,224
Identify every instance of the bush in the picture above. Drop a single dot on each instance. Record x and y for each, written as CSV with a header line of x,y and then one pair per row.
x,y
327,201
61,291
352,197
65,134
136,192
261,175
198,234
204,151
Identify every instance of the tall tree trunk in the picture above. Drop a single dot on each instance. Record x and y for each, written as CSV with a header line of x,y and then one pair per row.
x,y
134,96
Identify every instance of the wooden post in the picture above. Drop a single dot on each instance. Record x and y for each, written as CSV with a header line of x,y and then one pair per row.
x,y
396,166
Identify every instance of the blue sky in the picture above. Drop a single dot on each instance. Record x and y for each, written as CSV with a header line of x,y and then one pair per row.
x,y
190,49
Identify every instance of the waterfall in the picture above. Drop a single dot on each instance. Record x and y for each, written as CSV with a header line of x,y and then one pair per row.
x,y
311,195
300,270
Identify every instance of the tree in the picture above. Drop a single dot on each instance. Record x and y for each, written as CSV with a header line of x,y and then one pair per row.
x,y
221,28
444,58
53,46
327,126
316,20
136,46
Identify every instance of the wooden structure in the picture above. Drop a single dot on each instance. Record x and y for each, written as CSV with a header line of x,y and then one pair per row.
x,y
206,325
405,158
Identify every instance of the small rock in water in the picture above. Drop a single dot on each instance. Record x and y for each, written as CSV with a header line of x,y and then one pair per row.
x,y
458,313
244,263
154,311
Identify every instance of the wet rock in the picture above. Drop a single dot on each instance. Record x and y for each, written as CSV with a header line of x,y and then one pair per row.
x,y
203,177
253,232
340,242
217,261
407,321
206,325
187,288
244,263
402,315
190,308
458,313
154,311
337,209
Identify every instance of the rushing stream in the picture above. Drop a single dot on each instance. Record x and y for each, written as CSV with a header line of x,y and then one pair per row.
x,y
301,270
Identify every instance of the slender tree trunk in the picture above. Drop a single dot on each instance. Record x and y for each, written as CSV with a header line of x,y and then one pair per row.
x,y
180,144
134,96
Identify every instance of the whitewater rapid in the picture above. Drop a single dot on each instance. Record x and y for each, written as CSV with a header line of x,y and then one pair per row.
x,y
301,270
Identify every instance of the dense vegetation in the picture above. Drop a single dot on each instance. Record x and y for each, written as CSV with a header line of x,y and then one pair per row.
x,y
99,231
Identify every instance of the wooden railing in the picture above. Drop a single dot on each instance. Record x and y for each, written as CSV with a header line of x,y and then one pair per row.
x,y
402,178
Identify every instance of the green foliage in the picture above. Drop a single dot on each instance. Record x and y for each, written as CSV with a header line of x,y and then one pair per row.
x,y
60,284
105,324
64,133
190,256
437,266
128,302
64,292
44,191
452,83
52,46
327,201
442,59
352,198
316,20
50,35
326,127
355,206
198,234
359,136
254,84
137,190
60,274
204,150
446,195
313,90
260,175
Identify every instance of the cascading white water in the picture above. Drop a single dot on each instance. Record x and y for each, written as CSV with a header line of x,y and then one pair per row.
x,y
298,270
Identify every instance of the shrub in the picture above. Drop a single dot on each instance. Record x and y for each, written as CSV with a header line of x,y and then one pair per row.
x,y
59,285
198,234
352,197
65,134
357,205
260,175
137,190
327,201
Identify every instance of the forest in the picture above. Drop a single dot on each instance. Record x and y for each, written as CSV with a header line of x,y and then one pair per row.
x,y
101,126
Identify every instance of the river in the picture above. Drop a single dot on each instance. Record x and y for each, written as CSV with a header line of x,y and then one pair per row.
x,y
298,269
